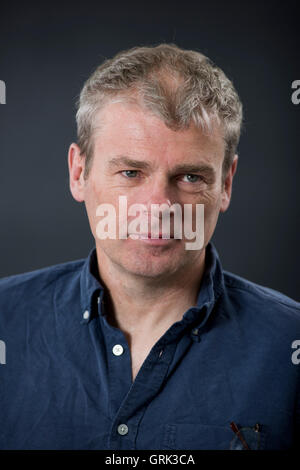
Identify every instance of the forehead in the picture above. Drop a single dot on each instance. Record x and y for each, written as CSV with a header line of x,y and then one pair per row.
x,y
128,129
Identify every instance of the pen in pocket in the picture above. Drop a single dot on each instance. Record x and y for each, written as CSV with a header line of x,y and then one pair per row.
x,y
239,435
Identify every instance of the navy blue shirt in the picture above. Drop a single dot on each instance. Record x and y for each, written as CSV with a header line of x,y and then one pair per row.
x,y
66,382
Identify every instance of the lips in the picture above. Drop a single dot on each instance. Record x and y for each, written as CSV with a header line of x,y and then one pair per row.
x,y
148,236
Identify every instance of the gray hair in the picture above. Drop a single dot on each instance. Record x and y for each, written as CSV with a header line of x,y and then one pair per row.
x,y
179,86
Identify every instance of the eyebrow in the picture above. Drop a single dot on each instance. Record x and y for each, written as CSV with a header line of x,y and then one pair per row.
x,y
123,160
190,168
181,168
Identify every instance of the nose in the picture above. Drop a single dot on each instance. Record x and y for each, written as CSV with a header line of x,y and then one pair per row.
x,y
157,196
158,192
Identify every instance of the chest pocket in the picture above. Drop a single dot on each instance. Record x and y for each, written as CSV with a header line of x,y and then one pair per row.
x,y
249,438
194,436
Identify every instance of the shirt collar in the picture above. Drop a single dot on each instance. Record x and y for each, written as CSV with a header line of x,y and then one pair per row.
x,y
211,287
90,287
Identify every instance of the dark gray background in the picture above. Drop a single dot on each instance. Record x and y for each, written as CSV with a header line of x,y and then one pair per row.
x,y
46,53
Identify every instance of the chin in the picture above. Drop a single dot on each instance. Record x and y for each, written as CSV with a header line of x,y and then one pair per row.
x,y
153,267
150,273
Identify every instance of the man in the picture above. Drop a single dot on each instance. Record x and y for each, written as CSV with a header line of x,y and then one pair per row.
x,y
147,344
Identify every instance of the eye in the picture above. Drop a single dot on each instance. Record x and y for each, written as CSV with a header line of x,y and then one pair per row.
x,y
190,178
129,173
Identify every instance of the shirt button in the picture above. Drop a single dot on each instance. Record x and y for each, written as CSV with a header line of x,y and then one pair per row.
x,y
117,350
122,429
86,315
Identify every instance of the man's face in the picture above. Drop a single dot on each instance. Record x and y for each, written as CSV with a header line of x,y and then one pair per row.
x,y
137,156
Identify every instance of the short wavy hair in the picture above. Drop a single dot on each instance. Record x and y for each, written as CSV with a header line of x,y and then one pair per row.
x,y
179,86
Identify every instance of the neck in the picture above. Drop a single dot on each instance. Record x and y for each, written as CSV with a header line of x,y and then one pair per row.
x,y
139,305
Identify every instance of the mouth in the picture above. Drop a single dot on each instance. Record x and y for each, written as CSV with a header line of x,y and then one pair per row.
x,y
149,235
160,239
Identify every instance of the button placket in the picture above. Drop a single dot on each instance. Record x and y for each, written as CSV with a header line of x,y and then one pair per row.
x,y
133,408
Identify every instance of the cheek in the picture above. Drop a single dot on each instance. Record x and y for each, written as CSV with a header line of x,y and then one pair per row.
x,y
97,193
211,210
212,202
92,198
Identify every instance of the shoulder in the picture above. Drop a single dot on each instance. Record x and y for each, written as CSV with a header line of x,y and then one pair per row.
x,y
256,297
37,280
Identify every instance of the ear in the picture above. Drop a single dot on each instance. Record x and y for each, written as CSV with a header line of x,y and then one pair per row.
x,y
226,193
76,163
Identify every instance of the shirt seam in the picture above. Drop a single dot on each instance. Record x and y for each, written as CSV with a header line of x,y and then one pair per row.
x,y
263,293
